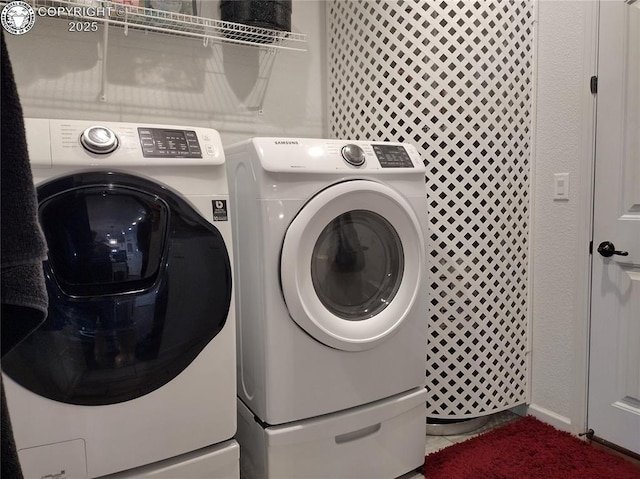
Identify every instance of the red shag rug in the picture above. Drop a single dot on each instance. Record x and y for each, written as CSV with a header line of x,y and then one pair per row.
x,y
526,449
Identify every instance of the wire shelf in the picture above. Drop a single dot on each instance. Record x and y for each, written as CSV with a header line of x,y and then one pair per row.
x,y
140,18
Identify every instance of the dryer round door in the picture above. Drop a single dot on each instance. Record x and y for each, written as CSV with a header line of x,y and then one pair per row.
x,y
351,264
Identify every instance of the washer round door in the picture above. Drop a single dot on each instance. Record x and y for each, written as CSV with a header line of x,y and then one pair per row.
x,y
351,264
139,283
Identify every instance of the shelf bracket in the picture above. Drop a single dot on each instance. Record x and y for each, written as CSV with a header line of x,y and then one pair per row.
x,y
271,55
105,49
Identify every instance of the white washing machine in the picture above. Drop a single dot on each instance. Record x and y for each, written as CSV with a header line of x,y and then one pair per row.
x,y
331,305
134,368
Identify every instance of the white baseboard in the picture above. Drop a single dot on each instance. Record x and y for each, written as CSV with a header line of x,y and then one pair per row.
x,y
545,415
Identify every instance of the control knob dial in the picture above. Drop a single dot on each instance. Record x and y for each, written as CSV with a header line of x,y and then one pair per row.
x,y
99,140
353,154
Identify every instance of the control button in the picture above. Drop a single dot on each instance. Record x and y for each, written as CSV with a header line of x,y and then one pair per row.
x,y
98,139
211,150
353,155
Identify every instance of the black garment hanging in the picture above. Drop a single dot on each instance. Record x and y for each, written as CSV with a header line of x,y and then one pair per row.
x,y
24,298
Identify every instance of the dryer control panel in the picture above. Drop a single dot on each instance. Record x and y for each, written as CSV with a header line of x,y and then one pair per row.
x,y
325,156
392,156
87,143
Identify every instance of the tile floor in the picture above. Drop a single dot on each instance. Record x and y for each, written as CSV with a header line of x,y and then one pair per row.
x,y
435,443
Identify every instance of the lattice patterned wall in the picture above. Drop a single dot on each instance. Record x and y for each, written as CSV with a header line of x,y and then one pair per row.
x,y
454,79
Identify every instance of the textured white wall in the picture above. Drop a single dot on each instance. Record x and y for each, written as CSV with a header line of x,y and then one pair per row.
x,y
560,228
175,80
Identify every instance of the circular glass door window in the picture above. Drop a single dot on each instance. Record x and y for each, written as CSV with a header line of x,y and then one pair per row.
x,y
344,272
357,265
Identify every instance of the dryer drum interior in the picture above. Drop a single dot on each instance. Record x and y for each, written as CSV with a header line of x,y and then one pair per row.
x,y
357,265
138,282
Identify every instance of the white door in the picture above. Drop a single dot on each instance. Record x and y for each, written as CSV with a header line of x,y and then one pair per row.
x,y
351,264
614,369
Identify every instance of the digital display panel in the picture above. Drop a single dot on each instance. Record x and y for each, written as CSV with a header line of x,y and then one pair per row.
x,y
392,156
165,143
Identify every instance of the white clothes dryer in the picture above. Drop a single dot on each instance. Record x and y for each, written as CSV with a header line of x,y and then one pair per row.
x,y
330,256
135,363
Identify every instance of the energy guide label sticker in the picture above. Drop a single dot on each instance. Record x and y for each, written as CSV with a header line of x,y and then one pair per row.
x,y
220,210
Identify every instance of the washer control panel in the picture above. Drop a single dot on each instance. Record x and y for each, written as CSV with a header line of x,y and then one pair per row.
x,y
78,142
169,143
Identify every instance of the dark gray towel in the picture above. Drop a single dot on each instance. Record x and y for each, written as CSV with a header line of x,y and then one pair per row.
x,y
10,465
22,245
